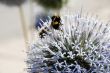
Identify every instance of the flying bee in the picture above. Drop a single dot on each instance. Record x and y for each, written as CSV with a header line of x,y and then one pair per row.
x,y
56,22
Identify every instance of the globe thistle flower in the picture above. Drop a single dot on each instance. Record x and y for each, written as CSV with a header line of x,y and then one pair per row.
x,y
42,16
81,47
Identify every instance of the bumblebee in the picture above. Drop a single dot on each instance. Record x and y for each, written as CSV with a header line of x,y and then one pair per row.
x,y
56,22
43,32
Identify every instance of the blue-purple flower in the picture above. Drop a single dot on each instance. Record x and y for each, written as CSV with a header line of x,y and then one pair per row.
x,y
81,46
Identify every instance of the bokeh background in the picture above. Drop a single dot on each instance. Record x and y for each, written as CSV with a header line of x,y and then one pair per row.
x,y
12,45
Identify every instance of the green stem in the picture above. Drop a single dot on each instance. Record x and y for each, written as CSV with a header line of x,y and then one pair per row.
x,y
31,12
24,27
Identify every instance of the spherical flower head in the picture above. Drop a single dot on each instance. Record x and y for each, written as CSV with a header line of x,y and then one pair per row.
x,y
80,46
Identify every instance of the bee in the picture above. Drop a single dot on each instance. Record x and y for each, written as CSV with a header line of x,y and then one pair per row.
x,y
43,32
56,22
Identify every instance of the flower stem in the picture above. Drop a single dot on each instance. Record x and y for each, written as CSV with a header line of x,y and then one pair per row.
x,y
24,27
